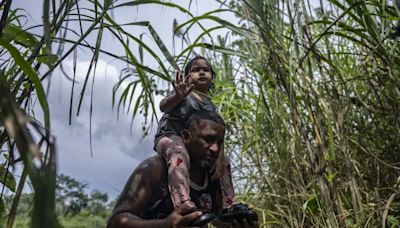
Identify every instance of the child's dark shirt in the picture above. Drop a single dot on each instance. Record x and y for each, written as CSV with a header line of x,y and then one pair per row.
x,y
174,122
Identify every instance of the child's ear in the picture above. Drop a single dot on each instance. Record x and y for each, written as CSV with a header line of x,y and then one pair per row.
x,y
186,135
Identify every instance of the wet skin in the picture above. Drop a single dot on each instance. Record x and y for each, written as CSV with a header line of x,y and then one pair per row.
x,y
204,143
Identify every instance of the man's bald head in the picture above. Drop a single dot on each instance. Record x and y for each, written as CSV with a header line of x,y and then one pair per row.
x,y
204,138
195,118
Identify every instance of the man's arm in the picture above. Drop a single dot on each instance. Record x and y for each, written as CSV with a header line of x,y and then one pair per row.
x,y
180,217
136,195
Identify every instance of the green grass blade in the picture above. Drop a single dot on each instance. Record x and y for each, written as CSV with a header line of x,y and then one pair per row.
x,y
33,76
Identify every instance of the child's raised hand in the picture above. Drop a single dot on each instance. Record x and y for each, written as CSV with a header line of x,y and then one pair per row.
x,y
181,85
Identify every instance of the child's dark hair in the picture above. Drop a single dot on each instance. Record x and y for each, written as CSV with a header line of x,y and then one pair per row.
x,y
194,119
189,65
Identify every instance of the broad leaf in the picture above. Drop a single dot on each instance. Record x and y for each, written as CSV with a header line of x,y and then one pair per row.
x,y
16,33
48,59
33,76
7,178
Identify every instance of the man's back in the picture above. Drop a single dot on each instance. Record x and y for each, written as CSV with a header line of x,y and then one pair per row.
x,y
151,175
203,137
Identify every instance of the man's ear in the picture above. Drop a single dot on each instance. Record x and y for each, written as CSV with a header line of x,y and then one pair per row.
x,y
186,135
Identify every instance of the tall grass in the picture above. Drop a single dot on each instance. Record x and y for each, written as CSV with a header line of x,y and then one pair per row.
x,y
29,58
312,101
310,93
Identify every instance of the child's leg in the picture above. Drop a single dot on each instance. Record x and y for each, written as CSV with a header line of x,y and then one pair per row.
x,y
228,193
174,151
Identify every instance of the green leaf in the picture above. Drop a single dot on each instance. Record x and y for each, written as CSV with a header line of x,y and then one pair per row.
x,y
141,44
331,177
27,86
163,48
157,2
49,59
7,179
33,76
6,156
141,74
1,207
216,48
393,221
16,33
238,30
190,48
311,205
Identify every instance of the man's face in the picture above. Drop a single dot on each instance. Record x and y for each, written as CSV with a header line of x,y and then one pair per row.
x,y
204,143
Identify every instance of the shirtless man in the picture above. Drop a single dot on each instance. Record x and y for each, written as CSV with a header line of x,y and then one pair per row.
x,y
145,202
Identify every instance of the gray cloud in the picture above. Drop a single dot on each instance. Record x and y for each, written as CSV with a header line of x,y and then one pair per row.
x,y
117,149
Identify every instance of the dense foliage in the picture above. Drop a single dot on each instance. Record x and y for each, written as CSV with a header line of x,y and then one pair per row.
x,y
315,111
310,91
74,207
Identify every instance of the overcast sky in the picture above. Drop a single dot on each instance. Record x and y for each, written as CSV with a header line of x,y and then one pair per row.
x,y
117,149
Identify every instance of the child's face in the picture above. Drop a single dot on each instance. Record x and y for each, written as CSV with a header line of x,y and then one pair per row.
x,y
200,76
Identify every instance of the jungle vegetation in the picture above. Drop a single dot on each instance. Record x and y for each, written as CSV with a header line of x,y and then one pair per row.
x,y
310,91
75,207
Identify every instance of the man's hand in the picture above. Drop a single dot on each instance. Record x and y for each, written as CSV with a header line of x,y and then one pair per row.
x,y
181,217
182,87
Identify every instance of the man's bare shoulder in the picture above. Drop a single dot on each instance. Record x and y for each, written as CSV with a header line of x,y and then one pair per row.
x,y
155,161
154,166
146,177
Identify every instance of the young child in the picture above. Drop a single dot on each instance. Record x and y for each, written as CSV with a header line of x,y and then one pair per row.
x,y
189,95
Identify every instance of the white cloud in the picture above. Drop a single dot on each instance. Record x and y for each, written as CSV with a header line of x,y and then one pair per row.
x,y
103,69
116,151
